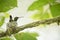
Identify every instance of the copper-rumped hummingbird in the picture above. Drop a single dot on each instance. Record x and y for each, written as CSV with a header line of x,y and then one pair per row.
x,y
12,23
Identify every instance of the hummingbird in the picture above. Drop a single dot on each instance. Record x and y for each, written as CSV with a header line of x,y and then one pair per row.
x,y
12,23
15,19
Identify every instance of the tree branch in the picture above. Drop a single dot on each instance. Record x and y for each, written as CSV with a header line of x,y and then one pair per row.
x,y
11,31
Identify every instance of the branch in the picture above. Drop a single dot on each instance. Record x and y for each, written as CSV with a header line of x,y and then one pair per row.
x,y
11,31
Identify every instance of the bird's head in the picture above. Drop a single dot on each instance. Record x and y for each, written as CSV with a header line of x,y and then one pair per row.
x,y
16,18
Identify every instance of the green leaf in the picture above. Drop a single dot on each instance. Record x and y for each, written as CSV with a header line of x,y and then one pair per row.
x,y
5,38
2,18
6,5
45,16
55,10
40,16
26,36
37,4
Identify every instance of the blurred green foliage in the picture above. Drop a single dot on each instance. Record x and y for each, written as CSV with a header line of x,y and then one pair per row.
x,y
40,16
26,36
2,18
53,7
39,3
5,38
6,5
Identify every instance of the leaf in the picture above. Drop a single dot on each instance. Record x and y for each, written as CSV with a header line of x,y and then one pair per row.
x,y
37,4
55,10
5,38
6,5
45,16
2,18
26,36
40,16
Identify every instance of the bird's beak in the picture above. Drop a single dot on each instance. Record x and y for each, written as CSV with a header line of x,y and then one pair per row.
x,y
21,17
